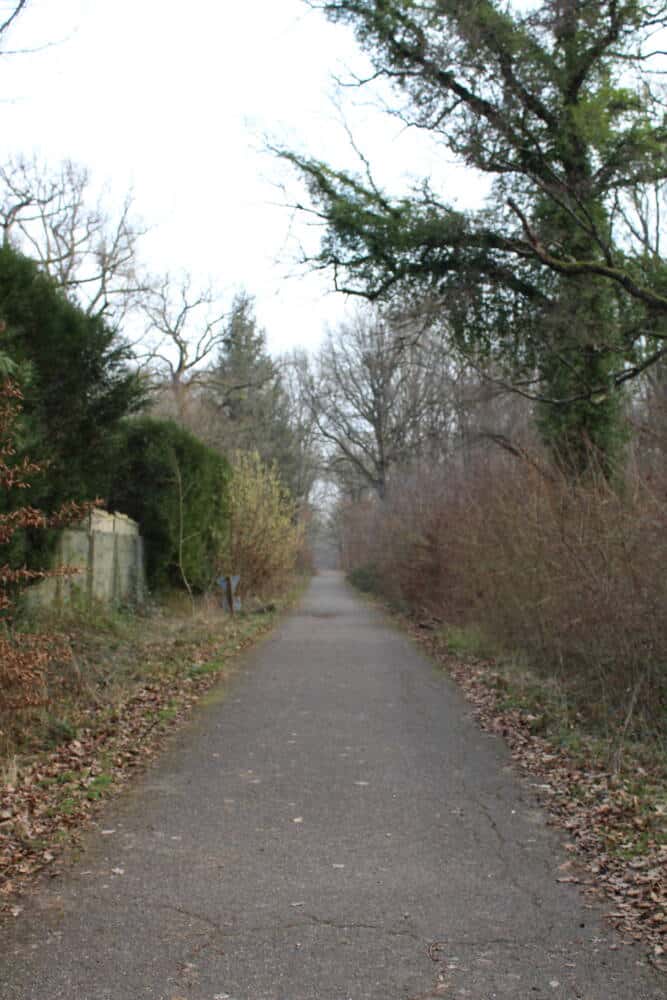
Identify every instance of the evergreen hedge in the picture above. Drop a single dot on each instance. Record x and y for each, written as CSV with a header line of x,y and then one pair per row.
x,y
78,385
77,380
177,489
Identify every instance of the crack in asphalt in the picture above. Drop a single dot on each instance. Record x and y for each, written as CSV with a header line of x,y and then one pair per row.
x,y
193,916
310,920
501,846
487,942
325,922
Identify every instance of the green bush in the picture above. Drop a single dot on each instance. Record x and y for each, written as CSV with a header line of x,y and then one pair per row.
x,y
365,578
177,489
77,384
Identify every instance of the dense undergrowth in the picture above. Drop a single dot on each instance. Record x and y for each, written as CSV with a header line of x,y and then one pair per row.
x,y
568,576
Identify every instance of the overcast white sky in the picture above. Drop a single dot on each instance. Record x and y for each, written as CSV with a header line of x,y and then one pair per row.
x,y
175,100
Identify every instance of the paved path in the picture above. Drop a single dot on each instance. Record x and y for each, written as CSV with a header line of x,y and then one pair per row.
x,y
335,828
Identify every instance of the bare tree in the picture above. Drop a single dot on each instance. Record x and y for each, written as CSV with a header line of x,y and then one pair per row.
x,y
185,328
378,395
306,465
54,218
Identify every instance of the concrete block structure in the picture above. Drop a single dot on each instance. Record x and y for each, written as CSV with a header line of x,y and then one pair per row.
x,y
107,552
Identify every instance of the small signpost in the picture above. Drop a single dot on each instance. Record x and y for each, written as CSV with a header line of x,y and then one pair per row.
x,y
229,586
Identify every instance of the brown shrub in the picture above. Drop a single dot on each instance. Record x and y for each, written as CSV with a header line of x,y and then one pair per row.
x,y
572,574
23,658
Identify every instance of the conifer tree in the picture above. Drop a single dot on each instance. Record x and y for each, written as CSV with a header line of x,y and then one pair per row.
x,y
557,104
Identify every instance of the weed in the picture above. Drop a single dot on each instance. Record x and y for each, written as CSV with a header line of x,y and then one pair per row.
x,y
9,771
365,578
59,731
468,640
203,669
98,786
66,777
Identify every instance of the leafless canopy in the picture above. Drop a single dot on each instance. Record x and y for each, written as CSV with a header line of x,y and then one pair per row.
x,y
380,394
54,218
184,328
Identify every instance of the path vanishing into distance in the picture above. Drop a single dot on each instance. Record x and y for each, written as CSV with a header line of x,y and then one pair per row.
x,y
333,825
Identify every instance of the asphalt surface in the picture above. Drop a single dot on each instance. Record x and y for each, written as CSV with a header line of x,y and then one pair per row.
x,y
333,826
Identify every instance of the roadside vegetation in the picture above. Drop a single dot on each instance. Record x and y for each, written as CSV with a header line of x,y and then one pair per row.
x,y
568,576
88,692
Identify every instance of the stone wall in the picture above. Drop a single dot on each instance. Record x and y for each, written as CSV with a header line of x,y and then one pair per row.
x,y
107,550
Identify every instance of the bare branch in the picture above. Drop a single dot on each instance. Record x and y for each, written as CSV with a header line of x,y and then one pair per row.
x,y
9,20
53,218
183,330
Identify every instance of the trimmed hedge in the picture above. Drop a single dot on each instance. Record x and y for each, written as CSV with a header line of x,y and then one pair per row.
x,y
177,489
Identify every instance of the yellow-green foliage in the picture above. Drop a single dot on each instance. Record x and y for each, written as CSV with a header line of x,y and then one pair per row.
x,y
264,537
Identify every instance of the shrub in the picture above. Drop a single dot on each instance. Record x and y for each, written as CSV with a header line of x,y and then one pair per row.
x,y
365,578
23,657
177,489
574,574
569,572
265,540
